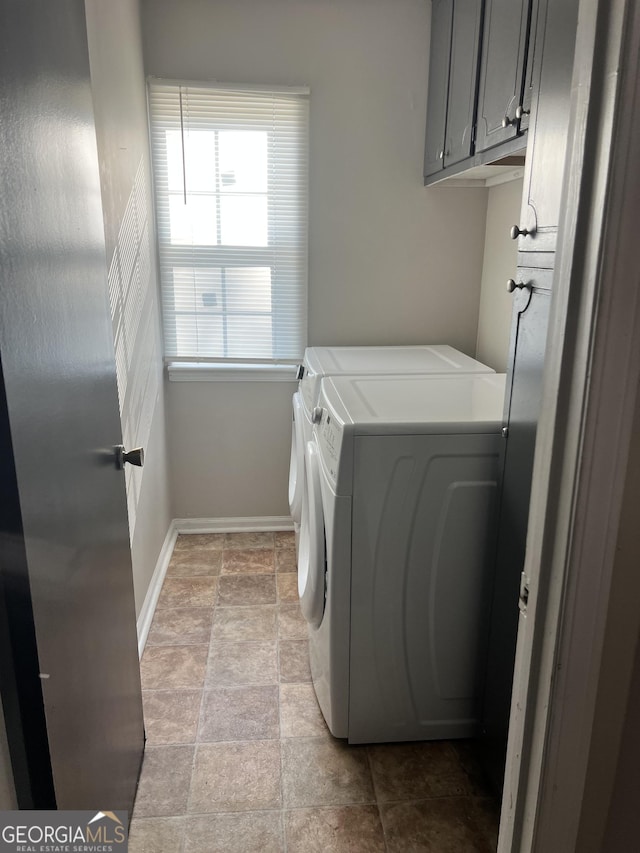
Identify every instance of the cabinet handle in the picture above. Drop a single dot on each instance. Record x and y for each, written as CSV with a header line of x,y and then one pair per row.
x,y
519,232
512,284
506,121
520,111
441,155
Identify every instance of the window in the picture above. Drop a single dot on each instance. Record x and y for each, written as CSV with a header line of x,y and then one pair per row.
x,y
230,168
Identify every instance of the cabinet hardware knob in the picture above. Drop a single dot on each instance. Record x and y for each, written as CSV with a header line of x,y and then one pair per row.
x,y
441,155
512,284
519,232
506,121
520,111
133,457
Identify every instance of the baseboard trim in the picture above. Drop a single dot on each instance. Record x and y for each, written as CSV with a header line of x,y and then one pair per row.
x,y
153,592
233,525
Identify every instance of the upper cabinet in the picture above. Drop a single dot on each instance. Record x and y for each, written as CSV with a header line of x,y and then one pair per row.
x,y
502,71
551,80
463,73
441,28
453,74
481,71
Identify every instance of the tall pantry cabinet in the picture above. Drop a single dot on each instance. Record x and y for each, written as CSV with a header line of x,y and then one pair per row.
x,y
536,232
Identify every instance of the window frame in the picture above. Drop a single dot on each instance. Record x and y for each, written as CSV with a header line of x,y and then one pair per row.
x,y
189,365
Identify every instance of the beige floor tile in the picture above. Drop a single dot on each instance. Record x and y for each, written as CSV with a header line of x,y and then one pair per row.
x,y
348,829
195,562
236,777
300,714
243,624
244,590
238,664
286,561
486,818
291,623
250,832
415,771
470,757
285,540
173,667
198,541
183,626
439,825
171,716
248,561
324,771
251,539
288,588
294,660
188,592
164,781
156,835
239,713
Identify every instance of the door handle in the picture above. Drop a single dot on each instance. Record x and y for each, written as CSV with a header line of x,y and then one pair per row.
x,y
133,457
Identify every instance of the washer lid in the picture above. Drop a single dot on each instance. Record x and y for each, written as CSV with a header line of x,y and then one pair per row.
x,y
440,358
375,405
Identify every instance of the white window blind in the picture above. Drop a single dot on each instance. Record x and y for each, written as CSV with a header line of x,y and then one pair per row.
x,y
230,169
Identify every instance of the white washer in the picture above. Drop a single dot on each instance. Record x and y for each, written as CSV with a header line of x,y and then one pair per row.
x,y
359,361
394,569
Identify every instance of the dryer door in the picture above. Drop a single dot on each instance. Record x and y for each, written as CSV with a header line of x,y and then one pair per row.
x,y
296,463
312,560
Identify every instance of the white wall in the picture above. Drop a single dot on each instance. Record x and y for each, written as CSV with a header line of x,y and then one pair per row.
x,y
117,77
389,261
499,264
232,440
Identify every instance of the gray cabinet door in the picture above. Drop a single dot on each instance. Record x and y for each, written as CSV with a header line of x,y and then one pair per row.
x,y
463,78
533,46
73,702
439,55
522,409
544,168
502,68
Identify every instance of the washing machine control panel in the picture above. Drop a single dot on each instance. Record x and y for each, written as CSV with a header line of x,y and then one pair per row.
x,y
330,442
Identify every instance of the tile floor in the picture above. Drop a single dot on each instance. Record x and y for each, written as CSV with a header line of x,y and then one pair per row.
x,y
238,756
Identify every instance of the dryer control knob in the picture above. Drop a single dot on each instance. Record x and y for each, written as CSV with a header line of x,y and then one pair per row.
x,y
316,415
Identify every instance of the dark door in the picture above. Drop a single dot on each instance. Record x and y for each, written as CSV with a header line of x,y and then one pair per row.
x,y
69,654
439,53
502,68
463,77
524,389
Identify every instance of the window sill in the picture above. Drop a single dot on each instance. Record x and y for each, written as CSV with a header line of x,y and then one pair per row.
x,y
207,372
